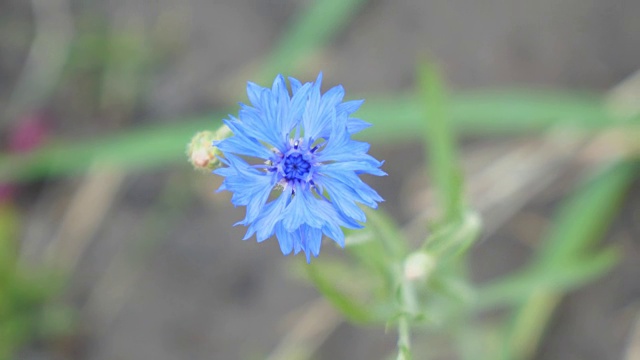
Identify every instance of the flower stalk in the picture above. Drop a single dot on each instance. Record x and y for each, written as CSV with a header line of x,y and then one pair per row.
x,y
409,306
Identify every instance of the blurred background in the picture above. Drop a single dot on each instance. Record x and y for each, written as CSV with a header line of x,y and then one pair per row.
x,y
112,247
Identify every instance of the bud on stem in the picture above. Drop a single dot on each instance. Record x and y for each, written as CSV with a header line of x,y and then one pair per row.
x,y
201,152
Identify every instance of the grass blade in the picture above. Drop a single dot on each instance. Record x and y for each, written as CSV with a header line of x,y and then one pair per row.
x,y
565,260
440,141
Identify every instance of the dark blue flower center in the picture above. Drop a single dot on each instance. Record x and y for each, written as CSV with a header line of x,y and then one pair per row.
x,y
296,167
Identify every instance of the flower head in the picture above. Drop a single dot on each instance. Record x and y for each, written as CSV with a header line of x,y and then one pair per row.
x,y
291,161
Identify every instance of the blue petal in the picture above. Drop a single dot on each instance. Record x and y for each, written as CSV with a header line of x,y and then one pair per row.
x,y
328,211
240,143
326,113
368,165
318,82
339,146
344,197
300,211
224,172
334,232
254,92
297,244
356,125
270,215
313,240
310,240
310,120
250,187
332,98
331,228
295,84
320,113
349,107
285,239
296,109
365,193
259,124
279,87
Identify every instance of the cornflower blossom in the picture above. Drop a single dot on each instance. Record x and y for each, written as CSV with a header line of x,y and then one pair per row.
x,y
305,183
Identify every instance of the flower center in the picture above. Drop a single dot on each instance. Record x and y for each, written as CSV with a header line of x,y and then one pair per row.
x,y
295,167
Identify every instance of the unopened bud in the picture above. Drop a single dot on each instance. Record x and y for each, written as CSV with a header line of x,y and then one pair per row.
x,y
201,158
418,266
202,154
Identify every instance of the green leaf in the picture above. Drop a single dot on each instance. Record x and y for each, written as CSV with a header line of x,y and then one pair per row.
x,y
503,111
137,149
440,141
383,228
566,260
454,237
526,327
584,218
518,287
311,29
353,310
531,317
453,288
489,112
404,353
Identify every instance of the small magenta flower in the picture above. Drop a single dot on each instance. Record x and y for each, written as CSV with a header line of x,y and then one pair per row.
x,y
291,161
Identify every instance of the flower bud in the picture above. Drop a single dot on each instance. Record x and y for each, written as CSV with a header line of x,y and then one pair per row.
x,y
201,152
418,266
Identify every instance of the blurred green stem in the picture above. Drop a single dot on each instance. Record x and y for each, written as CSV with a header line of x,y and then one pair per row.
x,y
409,306
440,141
311,29
404,339
528,324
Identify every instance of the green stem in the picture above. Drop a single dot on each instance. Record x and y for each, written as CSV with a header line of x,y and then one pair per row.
x,y
528,324
409,305
404,338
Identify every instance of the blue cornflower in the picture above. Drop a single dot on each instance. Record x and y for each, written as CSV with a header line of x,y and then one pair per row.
x,y
308,165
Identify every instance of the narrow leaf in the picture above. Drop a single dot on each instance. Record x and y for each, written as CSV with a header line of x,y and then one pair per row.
x,y
585,217
348,306
440,141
